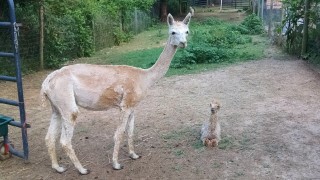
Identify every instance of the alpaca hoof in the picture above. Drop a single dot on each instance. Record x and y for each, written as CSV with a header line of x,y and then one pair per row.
x,y
84,172
60,169
135,156
117,166
211,142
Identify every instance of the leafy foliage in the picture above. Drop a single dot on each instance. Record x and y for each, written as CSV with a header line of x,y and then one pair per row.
x,y
70,27
293,22
294,12
252,24
212,41
68,31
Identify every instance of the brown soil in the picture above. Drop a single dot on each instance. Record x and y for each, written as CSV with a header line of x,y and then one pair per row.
x,y
269,119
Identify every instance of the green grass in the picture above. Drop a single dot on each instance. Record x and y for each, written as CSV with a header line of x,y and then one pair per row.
x,y
226,142
146,47
189,135
139,58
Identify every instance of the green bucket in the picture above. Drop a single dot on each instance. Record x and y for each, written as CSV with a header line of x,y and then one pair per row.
x,y
4,121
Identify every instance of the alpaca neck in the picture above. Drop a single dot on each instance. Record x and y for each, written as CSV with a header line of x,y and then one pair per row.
x,y
160,68
213,121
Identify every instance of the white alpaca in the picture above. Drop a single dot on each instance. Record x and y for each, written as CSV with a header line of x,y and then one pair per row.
x,y
210,131
99,88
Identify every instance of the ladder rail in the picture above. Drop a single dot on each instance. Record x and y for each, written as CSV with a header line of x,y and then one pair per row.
x,y
14,29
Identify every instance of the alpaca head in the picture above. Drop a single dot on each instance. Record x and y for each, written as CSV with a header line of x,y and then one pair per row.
x,y
178,31
214,106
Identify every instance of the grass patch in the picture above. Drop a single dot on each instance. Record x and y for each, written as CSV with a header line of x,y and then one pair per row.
x,y
226,142
138,58
197,145
179,153
185,133
212,44
189,136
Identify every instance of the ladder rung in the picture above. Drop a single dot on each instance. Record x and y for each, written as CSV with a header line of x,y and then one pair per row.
x,y
8,78
8,101
5,23
9,24
4,54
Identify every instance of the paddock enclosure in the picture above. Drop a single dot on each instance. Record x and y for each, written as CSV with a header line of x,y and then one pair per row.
x,y
269,120
269,127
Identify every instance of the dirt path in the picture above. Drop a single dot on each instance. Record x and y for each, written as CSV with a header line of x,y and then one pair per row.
x,y
270,120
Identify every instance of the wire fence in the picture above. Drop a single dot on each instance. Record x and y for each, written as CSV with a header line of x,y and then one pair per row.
x,y
103,36
271,13
28,48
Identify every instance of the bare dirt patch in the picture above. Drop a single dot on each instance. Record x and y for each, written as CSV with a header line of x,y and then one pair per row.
x,y
269,119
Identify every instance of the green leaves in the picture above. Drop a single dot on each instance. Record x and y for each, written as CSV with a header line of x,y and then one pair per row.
x,y
68,31
213,41
252,24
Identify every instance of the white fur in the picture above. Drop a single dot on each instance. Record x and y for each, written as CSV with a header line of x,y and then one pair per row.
x,y
98,87
211,130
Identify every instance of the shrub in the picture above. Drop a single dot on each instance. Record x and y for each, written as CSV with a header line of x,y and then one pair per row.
x,y
253,24
212,41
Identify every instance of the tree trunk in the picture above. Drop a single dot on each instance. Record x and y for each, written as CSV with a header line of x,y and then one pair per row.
x,y
163,10
259,8
262,9
41,43
270,19
180,7
305,27
254,5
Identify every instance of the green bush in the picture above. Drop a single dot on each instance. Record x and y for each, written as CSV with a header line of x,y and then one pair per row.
x,y
72,28
68,32
212,41
253,24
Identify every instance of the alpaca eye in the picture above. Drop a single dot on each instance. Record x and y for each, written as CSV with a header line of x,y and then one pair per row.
x,y
173,33
187,32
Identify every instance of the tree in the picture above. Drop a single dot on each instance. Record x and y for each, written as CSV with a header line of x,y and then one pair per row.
x,y
163,10
305,27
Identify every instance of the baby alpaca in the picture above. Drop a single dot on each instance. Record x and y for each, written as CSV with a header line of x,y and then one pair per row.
x,y
210,131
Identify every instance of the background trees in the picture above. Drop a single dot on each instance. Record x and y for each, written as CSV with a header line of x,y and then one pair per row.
x,y
72,28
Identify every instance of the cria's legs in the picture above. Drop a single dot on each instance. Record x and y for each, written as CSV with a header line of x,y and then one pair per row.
x,y
118,137
218,131
66,136
51,137
132,154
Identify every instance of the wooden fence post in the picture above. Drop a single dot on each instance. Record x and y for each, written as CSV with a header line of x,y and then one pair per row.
x,y
41,43
305,27
270,24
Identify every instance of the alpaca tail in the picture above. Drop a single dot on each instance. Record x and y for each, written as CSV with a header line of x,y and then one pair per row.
x,y
43,95
45,87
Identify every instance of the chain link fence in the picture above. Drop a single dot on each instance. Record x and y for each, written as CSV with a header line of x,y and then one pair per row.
x,y
103,35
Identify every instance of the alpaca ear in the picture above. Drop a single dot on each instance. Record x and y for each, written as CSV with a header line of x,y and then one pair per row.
x,y
187,19
170,20
191,11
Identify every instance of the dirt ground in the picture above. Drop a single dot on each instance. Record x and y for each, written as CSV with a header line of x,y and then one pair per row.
x,y
269,119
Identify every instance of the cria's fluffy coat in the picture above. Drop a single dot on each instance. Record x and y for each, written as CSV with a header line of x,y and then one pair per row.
x,y
210,131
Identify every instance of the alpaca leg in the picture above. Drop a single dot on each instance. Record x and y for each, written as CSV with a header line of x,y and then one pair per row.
x,y
132,154
51,137
218,131
118,138
204,132
66,136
